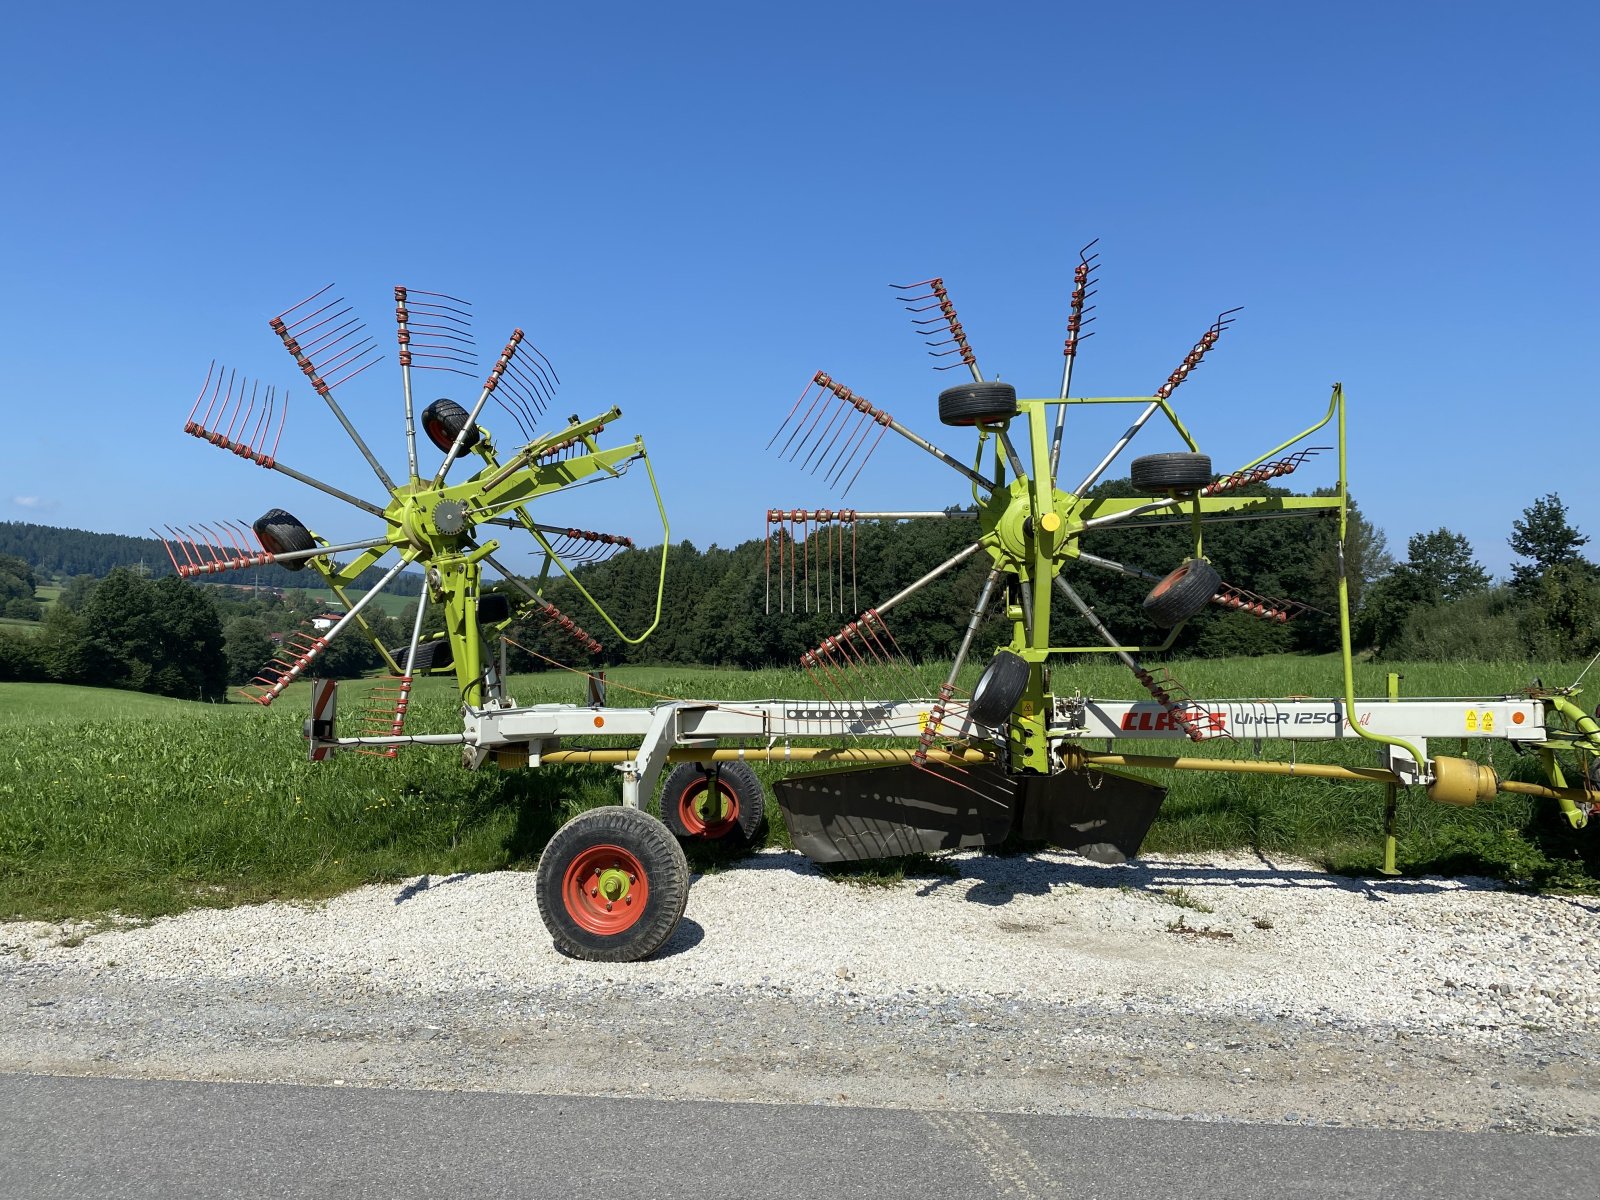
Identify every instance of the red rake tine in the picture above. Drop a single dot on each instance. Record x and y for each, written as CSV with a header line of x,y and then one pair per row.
x,y
189,425
793,409
864,461
202,429
213,435
820,397
168,548
190,568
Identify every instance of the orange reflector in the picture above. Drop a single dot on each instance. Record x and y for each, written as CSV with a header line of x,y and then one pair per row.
x,y
599,722
1517,718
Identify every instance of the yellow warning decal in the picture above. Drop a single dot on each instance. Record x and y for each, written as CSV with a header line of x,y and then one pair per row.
x,y
1027,708
1480,720
1486,721
1472,720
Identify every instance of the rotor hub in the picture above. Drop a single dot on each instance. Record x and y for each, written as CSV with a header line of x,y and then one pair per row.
x,y
1008,517
450,517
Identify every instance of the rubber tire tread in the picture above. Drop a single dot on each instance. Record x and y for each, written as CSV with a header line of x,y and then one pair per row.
x,y
282,533
969,403
1177,472
999,688
431,656
749,795
1182,593
447,417
666,868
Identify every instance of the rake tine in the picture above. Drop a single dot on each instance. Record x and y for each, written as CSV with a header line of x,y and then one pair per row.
x,y
178,537
795,408
168,548
203,429
263,422
189,425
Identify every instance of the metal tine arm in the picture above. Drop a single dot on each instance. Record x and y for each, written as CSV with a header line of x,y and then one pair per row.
x,y
1163,393
1082,289
1185,719
549,611
947,689
1228,595
489,385
272,687
957,341
876,416
288,335
905,593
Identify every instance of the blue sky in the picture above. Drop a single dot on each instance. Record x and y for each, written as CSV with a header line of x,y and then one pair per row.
x,y
691,208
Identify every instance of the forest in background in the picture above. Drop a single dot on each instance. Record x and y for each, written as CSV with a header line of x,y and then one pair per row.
x,y
116,625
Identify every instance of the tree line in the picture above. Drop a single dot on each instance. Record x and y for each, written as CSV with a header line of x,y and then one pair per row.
x,y
767,602
63,553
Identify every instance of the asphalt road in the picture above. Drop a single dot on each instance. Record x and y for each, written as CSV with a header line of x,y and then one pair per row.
x,y
94,1137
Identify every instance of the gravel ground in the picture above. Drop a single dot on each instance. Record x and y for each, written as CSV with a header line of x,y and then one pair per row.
x,y
1221,988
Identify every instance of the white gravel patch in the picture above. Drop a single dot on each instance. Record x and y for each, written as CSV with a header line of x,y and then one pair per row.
x,y
1281,939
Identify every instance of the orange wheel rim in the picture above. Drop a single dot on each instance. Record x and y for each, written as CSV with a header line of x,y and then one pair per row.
x,y
691,809
605,889
1161,588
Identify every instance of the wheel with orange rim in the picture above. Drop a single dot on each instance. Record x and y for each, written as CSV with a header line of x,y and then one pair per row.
x,y
731,813
612,885
1182,593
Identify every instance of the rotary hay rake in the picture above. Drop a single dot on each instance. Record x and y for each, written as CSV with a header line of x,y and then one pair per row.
x,y
948,771
426,521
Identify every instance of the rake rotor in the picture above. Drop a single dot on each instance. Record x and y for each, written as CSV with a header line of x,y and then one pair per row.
x,y
1030,531
428,523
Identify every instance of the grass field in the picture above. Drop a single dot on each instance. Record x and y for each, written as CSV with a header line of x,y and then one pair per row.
x,y
121,801
389,602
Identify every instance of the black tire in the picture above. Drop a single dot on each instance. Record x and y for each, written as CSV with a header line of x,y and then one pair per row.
x,y
436,655
589,873
443,421
999,688
1182,593
1175,473
969,403
281,533
741,817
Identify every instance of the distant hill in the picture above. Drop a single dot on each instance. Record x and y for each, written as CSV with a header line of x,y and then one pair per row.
x,y
51,550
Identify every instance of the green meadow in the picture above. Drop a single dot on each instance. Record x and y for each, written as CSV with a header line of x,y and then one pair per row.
x,y
120,801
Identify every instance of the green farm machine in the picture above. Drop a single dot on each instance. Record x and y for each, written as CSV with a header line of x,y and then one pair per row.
x,y
885,775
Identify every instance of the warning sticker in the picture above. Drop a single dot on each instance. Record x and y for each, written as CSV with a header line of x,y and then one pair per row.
x,y
1480,720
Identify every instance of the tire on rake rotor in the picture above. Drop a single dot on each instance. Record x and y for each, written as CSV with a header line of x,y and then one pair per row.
x,y
1183,472
443,421
1182,593
735,822
999,688
972,403
282,533
612,885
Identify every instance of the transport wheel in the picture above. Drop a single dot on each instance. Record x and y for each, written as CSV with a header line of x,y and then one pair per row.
x,y
999,688
612,885
282,533
442,421
1182,593
1175,473
733,816
969,403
